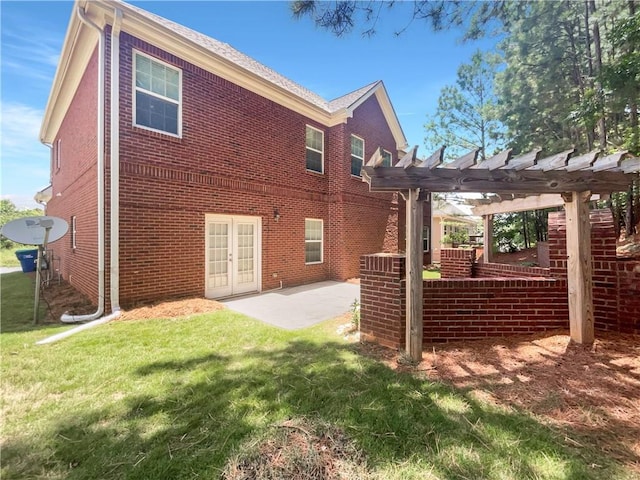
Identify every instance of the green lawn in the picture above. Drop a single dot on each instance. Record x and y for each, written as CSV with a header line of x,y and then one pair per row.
x,y
430,274
175,398
8,255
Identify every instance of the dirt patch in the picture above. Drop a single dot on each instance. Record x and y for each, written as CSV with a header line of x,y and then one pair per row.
x,y
528,256
301,449
62,298
591,393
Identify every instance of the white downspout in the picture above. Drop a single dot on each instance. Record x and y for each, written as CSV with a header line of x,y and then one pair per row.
x,y
115,162
100,163
115,186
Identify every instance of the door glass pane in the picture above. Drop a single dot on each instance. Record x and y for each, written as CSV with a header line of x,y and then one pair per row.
x,y
218,254
245,260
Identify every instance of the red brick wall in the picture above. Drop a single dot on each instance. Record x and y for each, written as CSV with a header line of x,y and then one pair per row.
x,y
615,281
382,292
240,154
457,262
476,308
500,270
456,309
628,296
74,186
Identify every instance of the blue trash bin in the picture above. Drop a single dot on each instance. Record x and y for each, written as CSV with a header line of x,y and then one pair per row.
x,y
28,259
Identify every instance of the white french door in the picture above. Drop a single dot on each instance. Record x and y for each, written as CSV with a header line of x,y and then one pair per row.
x,y
232,255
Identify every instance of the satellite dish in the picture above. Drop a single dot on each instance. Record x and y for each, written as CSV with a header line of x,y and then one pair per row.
x,y
31,230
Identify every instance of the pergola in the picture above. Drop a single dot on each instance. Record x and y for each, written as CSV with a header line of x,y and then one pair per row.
x,y
573,179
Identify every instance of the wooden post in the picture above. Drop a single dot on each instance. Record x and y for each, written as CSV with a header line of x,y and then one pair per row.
x,y
579,281
414,293
487,238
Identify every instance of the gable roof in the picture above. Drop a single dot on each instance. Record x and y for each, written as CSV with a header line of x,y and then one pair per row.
x,y
206,52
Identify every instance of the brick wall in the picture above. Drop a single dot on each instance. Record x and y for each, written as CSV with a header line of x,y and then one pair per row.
x,y
457,262
74,186
476,308
239,154
615,281
473,308
382,298
455,309
628,296
500,270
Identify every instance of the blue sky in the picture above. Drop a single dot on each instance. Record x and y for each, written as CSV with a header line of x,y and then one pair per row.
x,y
414,66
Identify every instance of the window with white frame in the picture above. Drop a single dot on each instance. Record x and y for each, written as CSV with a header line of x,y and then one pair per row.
x,y
157,95
357,155
58,154
315,149
386,158
73,232
426,238
313,240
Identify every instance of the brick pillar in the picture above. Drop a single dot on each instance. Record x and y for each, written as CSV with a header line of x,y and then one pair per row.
x,y
603,256
382,290
457,262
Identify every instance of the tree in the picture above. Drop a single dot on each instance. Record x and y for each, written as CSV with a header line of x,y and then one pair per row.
x,y
9,212
466,115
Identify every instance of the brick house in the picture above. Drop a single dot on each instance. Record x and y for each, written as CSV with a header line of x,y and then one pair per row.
x,y
211,173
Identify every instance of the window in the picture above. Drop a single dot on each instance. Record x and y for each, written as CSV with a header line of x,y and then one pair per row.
x,y
426,238
73,232
58,153
55,155
315,150
386,158
157,95
312,241
357,155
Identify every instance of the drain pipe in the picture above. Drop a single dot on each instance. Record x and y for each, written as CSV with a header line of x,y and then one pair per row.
x,y
101,176
95,319
115,163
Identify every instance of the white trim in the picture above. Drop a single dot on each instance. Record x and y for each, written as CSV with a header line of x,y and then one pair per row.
x,y
135,88
314,241
307,147
352,155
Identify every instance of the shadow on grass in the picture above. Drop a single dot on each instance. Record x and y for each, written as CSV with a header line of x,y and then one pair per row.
x,y
209,405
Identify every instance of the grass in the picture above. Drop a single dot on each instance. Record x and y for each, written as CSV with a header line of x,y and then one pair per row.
x,y
8,255
430,274
176,398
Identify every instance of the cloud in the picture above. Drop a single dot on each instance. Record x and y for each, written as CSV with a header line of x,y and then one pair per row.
x,y
25,161
20,127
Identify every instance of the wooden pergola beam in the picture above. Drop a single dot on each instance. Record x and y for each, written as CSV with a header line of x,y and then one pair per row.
x,y
390,179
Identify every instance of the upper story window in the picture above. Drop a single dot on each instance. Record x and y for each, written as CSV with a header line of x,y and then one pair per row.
x,y
157,95
386,158
315,149
357,155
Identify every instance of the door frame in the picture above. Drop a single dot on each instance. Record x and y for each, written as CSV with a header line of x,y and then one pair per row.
x,y
258,239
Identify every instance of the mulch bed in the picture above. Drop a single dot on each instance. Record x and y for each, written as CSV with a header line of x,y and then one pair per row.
x,y
593,392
